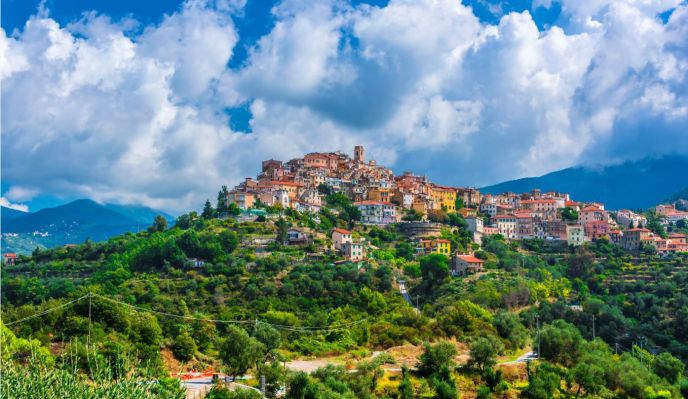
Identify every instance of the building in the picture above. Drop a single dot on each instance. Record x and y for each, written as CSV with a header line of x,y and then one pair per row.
x,y
354,251
243,200
629,219
377,212
297,237
506,225
434,246
591,214
341,237
444,197
596,229
633,238
466,264
575,235
9,259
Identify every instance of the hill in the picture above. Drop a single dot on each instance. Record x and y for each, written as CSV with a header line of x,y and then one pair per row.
x,y
73,222
632,184
9,213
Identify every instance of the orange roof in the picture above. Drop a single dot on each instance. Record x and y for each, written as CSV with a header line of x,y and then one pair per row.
x,y
615,232
341,231
469,259
286,183
10,255
372,203
539,201
571,203
640,229
590,208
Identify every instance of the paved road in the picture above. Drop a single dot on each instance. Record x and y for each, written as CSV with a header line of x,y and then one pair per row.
x,y
197,388
526,357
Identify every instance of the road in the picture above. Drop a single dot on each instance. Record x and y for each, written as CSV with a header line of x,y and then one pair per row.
x,y
197,388
526,357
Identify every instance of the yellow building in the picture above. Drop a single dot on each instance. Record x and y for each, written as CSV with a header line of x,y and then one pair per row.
x,y
379,194
436,246
444,197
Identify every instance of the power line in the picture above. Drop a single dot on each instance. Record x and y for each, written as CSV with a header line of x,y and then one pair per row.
x,y
46,311
90,296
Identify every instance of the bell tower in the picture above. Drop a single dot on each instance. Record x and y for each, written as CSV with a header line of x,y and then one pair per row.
x,y
359,154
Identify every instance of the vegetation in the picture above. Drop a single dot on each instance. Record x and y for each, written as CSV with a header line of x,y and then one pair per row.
x,y
144,302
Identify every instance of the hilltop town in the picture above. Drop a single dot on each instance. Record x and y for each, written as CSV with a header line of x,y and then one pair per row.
x,y
422,206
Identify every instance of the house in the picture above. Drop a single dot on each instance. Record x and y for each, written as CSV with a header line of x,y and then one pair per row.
x,y
633,238
627,218
195,262
575,235
9,259
297,237
434,246
341,237
591,213
377,212
242,199
354,251
444,197
506,225
596,229
466,264
467,212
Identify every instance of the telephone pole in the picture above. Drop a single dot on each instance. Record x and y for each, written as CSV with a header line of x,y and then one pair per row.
x,y
537,323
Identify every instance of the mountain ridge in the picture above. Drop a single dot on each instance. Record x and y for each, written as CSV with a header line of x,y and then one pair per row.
x,y
70,223
632,184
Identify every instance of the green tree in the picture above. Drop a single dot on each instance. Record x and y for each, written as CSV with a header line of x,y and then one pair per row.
x,y
404,250
435,357
184,346
569,213
412,215
239,351
668,367
282,229
510,329
159,224
484,351
208,211
222,201
459,203
405,386
434,269
560,342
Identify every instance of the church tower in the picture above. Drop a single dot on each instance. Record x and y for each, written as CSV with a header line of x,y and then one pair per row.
x,y
359,154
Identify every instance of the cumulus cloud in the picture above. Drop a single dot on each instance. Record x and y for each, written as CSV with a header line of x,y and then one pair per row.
x,y
92,108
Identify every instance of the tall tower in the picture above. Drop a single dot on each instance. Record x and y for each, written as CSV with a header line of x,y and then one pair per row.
x,y
359,154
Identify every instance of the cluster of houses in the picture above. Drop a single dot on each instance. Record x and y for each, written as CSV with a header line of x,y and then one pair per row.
x,y
378,194
383,198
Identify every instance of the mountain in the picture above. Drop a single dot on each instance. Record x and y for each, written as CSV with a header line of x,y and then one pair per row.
x,y
632,184
9,213
70,223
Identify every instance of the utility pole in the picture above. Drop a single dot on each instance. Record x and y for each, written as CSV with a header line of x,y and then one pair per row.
x,y
537,323
88,343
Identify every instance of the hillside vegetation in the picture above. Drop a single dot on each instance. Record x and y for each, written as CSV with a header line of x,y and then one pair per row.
x,y
101,316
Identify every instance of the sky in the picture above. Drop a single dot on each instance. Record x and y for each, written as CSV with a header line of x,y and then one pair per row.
x,y
160,102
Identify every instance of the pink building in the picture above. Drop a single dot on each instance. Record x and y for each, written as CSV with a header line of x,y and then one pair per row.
x,y
341,237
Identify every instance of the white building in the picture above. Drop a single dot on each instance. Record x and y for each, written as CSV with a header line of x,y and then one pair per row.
x,y
377,212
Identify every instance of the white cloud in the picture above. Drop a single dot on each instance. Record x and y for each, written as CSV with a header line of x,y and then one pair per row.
x,y
18,207
90,109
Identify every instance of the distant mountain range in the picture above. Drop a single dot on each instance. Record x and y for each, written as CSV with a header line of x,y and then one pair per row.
x,y
71,223
630,185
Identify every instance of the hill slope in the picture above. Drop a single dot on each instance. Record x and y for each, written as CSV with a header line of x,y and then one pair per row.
x,y
73,222
633,184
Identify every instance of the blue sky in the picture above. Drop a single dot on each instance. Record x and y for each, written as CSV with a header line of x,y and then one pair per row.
x,y
160,102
